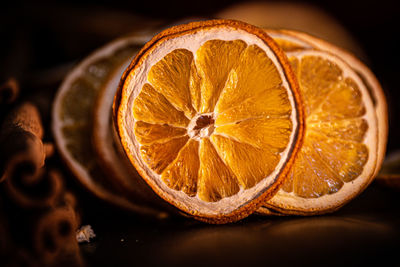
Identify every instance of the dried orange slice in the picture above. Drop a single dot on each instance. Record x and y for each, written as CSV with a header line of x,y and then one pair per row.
x,y
368,79
389,175
72,121
346,128
210,116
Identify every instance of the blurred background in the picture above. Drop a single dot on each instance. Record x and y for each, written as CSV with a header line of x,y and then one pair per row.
x,y
41,41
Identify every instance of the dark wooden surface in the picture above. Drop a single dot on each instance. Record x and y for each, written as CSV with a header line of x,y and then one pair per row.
x,y
366,231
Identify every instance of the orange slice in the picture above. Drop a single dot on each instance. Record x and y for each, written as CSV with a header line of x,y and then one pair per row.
x,y
72,122
210,116
389,175
369,80
346,128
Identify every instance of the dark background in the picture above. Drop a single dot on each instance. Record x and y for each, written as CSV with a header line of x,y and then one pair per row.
x,y
37,36
41,40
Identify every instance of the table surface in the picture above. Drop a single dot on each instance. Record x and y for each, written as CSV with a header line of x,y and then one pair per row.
x,y
364,231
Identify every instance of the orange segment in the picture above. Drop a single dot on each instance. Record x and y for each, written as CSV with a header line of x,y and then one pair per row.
x,y
170,76
349,129
195,87
152,107
324,165
317,77
345,158
159,155
248,163
216,180
332,107
214,61
263,133
80,94
254,75
182,173
312,177
147,133
79,146
273,102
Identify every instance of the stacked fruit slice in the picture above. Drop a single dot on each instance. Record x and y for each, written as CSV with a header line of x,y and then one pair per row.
x,y
210,115
346,121
72,124
221,121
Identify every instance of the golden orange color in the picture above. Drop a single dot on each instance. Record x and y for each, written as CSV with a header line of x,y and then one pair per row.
x,y
231,135
210,115
346,128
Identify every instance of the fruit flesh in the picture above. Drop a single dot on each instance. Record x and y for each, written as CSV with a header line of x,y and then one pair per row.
x,y
289,46
231,100
333,152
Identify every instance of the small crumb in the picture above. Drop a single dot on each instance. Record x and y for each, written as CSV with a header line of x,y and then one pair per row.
x,y
122,240
85,233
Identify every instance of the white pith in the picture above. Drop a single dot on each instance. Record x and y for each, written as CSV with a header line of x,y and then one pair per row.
x,y
290,200
133,86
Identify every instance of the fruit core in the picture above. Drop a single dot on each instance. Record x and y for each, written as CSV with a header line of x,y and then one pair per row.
x,y
202,125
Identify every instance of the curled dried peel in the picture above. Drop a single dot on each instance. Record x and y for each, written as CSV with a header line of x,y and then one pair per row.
x,y
214,63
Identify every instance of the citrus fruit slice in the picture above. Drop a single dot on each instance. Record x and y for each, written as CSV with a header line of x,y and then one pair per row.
x,y
210,115
72,120
109,152
294,40
389,175
341,152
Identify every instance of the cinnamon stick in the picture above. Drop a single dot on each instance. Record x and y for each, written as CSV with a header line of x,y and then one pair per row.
x,y
20,139
54,236
42,189
9,91
41,216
